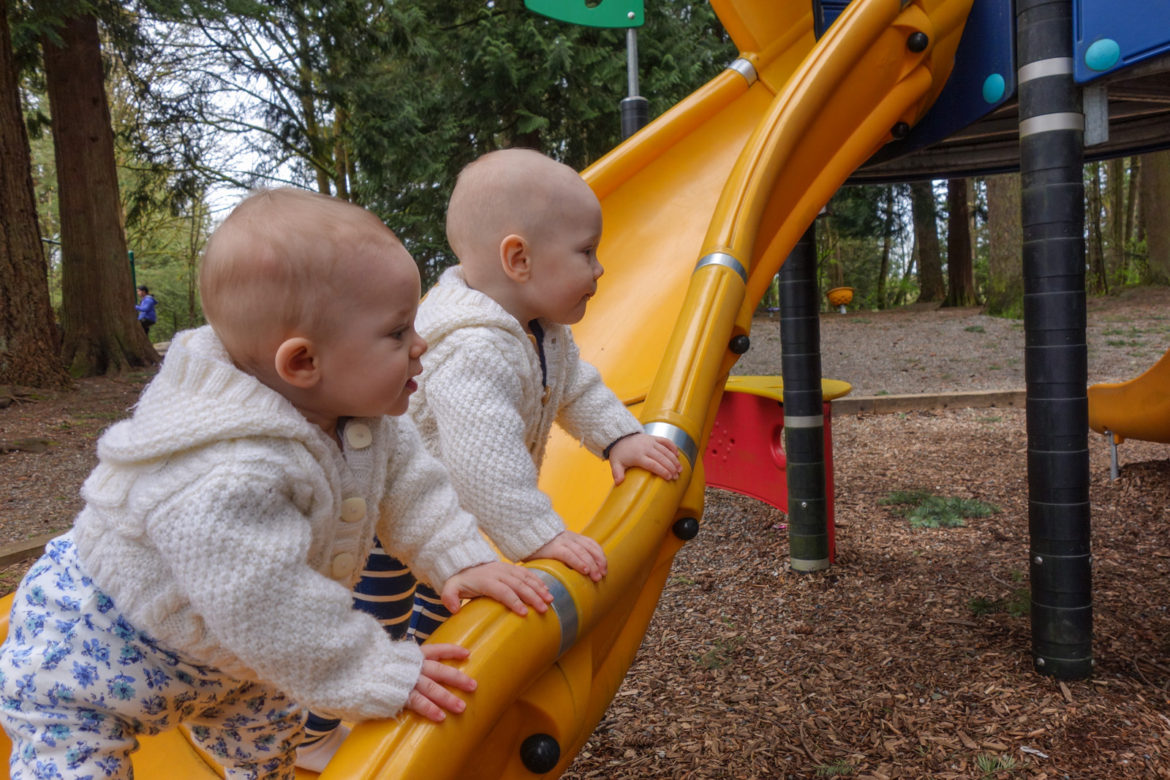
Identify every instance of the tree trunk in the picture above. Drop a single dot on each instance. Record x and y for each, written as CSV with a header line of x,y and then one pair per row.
x,y
1155,193
101,330
29,353
1115,187
960,265
1005,284
930,278
1095,246
887,246
1131,212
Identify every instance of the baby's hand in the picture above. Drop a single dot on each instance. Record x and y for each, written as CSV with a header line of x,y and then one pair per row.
x,y
658,456
576,551
511,585
430,696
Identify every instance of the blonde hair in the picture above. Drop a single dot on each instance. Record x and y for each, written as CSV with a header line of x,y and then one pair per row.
x,y
273,267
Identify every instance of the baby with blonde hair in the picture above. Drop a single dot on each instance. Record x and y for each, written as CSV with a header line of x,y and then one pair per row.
x,y
503,367
207,581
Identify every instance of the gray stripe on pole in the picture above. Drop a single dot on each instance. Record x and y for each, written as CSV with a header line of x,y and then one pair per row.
x,y
804,421
1048,123
1040,69
799,564
744,68
564,608
673,433
725,260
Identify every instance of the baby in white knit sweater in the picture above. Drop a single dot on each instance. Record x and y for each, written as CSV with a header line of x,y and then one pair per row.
x,y
207,579
502,365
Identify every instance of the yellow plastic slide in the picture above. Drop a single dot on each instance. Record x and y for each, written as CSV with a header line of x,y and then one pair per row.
x,y
1137,409
700,208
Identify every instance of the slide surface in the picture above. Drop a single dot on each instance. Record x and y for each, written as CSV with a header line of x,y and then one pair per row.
x,y
1137,409
700,209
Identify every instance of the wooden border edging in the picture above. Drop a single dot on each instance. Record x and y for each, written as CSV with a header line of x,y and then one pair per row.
x,y
889,404
29,548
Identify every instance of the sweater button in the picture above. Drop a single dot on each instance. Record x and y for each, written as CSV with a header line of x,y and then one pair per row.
x,y
343,565
358,435
353,509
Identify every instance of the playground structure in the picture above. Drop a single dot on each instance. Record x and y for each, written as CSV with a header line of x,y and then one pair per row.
x,y
702,207
1137,409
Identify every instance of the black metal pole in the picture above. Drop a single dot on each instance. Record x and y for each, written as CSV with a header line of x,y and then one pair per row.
x,y
804,421
635,109
1056,356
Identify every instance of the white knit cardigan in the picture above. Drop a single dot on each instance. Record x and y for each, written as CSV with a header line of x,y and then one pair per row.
x,y
483,410
215,521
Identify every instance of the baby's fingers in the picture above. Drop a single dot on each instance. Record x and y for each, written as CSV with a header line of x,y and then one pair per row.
x,y
662,464
519,587
446,676
444,651
430,698
594,556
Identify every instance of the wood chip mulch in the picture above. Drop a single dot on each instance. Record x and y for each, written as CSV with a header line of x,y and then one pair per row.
x,y
910,657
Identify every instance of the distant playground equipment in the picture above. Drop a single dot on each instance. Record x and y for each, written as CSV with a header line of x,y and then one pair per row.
x,y
1136,409
701,208
840,297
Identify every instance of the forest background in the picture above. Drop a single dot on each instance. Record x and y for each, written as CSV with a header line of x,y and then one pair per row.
x,y
128,129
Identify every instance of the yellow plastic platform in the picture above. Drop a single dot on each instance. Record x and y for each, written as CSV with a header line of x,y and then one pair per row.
x,y
732,176
773,387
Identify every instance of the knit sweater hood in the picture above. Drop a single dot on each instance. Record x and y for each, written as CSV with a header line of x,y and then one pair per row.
x,y
199,399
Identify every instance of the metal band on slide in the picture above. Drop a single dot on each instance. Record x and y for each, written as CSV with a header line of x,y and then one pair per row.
x,y
564,608
1054,66
725,260
744,68
804,421
1047,123
681,438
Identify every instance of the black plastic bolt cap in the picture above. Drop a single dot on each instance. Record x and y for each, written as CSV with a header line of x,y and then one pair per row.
x,y
540,753
686,528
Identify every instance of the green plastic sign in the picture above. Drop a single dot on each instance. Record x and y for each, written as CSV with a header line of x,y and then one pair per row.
x,y
592,13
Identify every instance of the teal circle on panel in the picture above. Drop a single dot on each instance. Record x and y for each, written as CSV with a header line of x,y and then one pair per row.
x,y
1102,54
993,88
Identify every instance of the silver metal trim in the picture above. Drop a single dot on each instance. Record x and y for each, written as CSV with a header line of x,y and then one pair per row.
x,y
1095,104
681,438
1040,69
725,260
1048,123
745,68
804,421
564,608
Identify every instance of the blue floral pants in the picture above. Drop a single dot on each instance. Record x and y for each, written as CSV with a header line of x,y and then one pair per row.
x,y
78,683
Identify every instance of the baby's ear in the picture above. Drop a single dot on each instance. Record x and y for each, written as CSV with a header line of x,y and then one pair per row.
x,y
296,362
514,258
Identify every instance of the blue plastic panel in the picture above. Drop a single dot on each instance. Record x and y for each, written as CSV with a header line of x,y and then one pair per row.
x,y
1109,35
827,12
983,78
